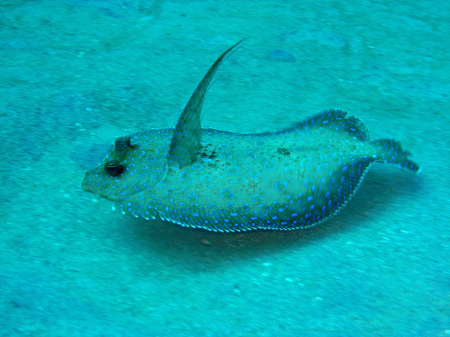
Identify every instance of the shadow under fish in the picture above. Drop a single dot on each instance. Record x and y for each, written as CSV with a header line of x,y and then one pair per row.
x,y
227,182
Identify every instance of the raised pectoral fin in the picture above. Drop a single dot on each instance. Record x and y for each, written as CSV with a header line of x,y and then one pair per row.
x,y
185,143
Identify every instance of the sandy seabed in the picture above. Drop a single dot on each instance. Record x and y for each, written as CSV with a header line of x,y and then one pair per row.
x,y
76,74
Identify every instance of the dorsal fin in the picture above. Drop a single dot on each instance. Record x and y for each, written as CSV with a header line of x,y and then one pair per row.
x,y
337,120
185,143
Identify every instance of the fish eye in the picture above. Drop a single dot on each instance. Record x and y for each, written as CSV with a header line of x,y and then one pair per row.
x,y
114,168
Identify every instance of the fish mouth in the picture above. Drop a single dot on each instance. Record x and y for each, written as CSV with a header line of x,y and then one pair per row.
x,y
87,184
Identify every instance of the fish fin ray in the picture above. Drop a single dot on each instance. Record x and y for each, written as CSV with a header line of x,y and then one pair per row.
x,y
333,118
185,143
390,151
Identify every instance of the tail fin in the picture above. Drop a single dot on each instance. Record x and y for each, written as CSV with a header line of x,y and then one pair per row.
x,y
390,151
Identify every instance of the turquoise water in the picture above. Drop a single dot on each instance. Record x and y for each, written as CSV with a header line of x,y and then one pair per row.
x,y
76,74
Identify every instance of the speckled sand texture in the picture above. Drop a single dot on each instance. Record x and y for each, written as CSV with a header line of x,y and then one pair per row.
x,y
76,74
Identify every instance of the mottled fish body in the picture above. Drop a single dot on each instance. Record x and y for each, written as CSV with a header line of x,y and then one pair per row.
x,y
227,182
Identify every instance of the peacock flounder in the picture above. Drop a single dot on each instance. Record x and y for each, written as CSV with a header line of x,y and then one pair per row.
x,y
227,182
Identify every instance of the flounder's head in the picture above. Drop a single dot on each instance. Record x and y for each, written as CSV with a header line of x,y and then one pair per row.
x,y
129,167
